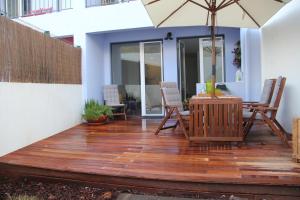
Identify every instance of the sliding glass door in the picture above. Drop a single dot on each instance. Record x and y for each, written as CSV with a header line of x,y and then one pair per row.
x,y
194,63
137,69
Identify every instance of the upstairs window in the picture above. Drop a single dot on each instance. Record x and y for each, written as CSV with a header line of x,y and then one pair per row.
x,y
9,8
91,3
2,7
39,7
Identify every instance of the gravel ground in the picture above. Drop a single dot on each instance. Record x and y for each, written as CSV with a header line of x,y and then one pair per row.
x,y
50,191
11,189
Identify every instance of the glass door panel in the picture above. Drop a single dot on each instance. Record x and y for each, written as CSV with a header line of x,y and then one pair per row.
x,y
206,65
151,76
125,69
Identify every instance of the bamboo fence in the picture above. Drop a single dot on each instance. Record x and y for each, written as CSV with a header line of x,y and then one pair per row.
x,y
29,56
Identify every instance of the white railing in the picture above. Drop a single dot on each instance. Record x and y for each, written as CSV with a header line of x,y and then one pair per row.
x,y
39,7
91,3
17,8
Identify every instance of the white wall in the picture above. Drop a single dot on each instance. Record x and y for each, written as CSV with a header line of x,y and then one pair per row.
x,y
94,73
120,16
251,63
31,112
281,56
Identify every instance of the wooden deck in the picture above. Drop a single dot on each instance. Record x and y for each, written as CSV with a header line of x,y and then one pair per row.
x,y
126,154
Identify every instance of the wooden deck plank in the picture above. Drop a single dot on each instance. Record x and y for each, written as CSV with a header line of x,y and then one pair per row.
x,y
129,149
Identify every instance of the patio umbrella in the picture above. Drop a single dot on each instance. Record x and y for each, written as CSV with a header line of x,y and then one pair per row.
x,y
227,13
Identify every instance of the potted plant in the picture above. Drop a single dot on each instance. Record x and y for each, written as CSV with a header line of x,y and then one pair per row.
x,y
95,112
237,61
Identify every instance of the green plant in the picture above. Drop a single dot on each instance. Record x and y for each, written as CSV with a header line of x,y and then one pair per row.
x,y
237,54
93,110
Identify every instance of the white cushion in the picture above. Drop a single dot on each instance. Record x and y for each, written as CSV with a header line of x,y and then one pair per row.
x,y
265,96
111,95
116,105
247,114
172,97
276,91
185,113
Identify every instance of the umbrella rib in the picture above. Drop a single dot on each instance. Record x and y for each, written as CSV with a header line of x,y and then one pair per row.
x,y
221,4
230,2
207,18
251,17
208,4
151,2
176,10
198,4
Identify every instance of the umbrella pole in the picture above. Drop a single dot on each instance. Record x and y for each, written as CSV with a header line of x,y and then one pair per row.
x,y
213,56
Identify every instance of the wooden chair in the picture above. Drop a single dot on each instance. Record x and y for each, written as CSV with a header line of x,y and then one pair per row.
x,y
265,97
112,99
267,114
173,108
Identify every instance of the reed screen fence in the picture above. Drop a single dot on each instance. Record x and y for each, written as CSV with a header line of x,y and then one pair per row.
x,y
33,57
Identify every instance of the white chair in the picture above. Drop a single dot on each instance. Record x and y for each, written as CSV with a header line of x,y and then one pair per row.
x,y
112,99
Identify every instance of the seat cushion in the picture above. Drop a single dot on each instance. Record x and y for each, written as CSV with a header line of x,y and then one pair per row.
x,y
116,105
266,93
185,113
247,114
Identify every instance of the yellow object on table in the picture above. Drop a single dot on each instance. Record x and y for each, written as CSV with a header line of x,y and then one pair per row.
x,y
218,93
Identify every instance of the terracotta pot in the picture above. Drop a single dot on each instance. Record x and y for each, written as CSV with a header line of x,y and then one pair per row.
x,y
101,120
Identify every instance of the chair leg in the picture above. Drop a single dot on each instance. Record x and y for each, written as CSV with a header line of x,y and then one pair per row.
x,y
176,124
181,123
125,116
249,124
279,126
276,129
163,122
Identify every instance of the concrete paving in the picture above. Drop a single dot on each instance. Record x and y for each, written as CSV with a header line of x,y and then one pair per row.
x,y
126,196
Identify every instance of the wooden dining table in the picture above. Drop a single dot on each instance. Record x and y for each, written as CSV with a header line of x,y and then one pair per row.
x,y
218,119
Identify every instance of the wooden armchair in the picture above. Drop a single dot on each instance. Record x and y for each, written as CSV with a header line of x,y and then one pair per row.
x,y
267,114
112,99
173,107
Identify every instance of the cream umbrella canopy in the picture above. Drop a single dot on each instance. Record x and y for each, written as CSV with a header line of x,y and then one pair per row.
x,y
227,13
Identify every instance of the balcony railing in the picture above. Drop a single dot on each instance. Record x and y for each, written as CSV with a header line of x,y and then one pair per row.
x,y
91,3
17,8
9,8
39,7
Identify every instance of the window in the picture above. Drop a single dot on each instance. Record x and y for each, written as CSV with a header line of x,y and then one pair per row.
x,y
91,3
2,7
9,8
38,7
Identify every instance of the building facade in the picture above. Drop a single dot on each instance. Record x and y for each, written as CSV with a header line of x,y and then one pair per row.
x,y
121,46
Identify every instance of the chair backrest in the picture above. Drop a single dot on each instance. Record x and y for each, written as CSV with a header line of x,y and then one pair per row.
x,y
111,94
267,91
171,95
276,97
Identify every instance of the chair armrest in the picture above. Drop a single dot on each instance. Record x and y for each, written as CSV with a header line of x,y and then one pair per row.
x,y
250,102
264,108
254,105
